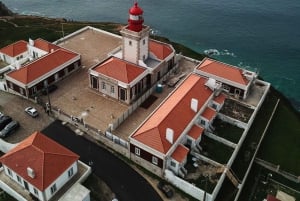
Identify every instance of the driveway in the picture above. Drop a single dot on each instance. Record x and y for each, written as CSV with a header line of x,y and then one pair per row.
x,y
126,183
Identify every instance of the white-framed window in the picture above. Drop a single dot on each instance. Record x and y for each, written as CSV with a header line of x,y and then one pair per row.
x,y
35,191
173,164
112,89
103,85
11,85
137,151
70,172
144,42
214,106
53,189
202,122
19,179
21,91
130,42
9,172
154,160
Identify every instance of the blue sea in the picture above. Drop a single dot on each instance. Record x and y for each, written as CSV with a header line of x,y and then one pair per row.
x,y
260,35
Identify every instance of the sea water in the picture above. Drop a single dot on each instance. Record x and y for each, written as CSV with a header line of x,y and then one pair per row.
x,y
259,35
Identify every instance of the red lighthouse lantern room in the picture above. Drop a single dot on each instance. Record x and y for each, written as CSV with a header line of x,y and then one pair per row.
x,y
136,20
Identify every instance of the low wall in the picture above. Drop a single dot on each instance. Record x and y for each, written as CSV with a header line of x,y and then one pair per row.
x,y
187,187
232,121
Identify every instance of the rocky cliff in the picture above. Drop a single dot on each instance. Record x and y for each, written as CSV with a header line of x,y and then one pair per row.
x,y
4,11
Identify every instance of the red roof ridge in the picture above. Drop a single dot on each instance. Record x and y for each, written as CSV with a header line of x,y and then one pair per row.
x,y
208,62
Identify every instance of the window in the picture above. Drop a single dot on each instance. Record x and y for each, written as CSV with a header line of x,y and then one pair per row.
x,y
214,106
154,160
144,57
70,172
35,191
144,41
112,89
9,172
173,164
130,42
53,189
103,86
202,122
19,179
137,151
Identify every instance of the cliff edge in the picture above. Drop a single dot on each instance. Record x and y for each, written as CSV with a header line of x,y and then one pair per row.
x,y
4,11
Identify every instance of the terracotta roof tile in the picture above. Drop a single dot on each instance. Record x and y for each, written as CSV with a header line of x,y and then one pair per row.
x,y
15,49
272,198
195,132
223,70
220,98
46,157
45,45
119,69
41,66
180,153
174,113
160,50
209,113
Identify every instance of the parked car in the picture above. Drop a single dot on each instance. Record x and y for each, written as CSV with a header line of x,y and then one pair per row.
x,y
51,88
1,114
165,188
9,128
4,120
31,111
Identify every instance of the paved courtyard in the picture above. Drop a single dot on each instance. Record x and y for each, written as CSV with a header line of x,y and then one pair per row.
x,y
75,98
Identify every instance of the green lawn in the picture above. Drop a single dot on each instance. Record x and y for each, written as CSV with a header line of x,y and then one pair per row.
x,y
227,131
215,150
281,144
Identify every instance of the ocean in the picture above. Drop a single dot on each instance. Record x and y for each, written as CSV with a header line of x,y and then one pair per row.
x,y
260,35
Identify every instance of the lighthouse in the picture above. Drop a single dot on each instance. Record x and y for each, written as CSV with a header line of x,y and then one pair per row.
x,y
135,40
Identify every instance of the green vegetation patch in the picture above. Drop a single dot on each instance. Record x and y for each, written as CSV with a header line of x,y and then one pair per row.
x,y
215,150
243,158
281,145
227,131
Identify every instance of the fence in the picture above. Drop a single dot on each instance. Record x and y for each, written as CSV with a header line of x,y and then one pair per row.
x,y
138,102
187,187
110,140
276,168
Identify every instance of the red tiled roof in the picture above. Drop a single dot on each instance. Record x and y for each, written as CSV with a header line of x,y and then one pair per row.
x,y
45,45
223,70
272,198
195,132
119,69
160,50
174,113
46,157
180,153
220,98
208,113
41,66
15,49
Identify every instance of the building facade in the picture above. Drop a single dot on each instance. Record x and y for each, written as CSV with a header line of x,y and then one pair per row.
x,y
40,165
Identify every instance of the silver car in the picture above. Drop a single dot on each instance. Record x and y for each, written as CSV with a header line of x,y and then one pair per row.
x,y
32,111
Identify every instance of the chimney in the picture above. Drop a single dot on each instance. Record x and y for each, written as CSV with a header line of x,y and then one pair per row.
x,y
30,172
194,104
170,135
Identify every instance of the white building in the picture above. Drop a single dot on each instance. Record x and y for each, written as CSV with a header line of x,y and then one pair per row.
x,y
40,165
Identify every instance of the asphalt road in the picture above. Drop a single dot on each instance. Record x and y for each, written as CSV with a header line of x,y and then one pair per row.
x,y
126,183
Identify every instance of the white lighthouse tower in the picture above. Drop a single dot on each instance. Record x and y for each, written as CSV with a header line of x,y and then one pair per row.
x,y
135,37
